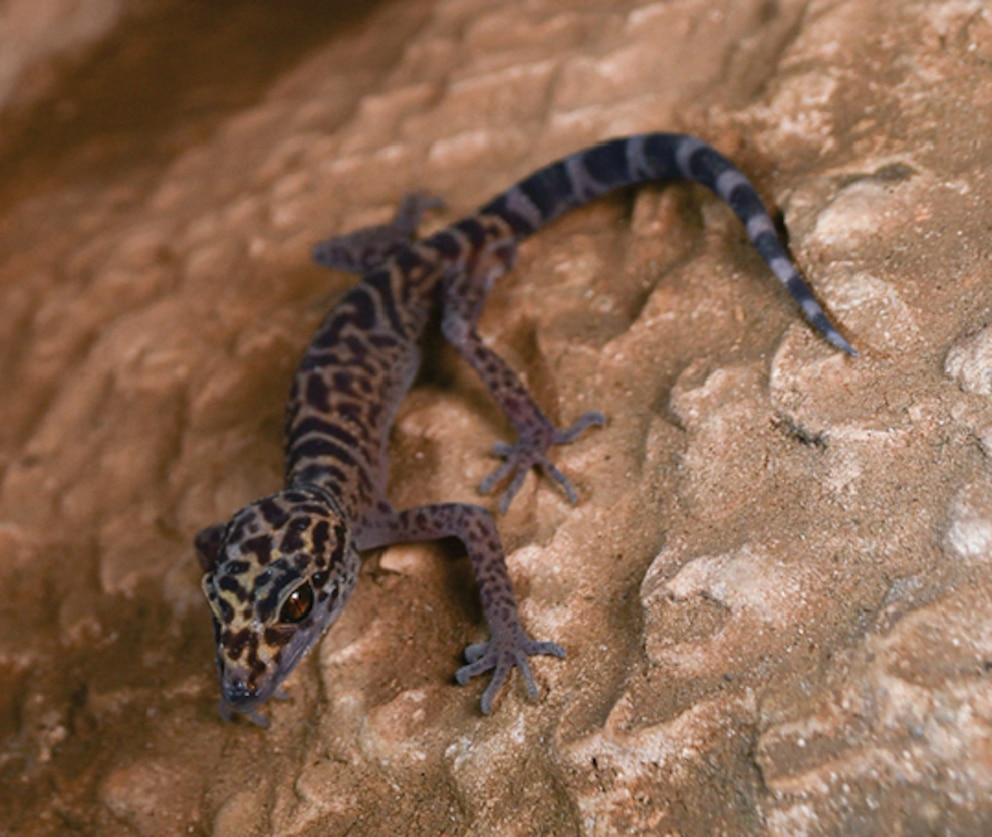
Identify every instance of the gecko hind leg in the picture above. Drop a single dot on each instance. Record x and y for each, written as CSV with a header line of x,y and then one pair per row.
x,y
464,294
367,248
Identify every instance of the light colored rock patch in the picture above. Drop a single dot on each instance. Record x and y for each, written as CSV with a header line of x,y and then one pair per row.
x,y
760,604
632,777
889,739
34,33
968,528
867,207
969,362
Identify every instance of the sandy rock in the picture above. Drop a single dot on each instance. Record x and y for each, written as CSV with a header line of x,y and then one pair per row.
x,y
34,35
775,586
969,363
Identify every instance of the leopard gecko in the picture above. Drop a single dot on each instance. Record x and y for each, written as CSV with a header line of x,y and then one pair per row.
x,y
278,574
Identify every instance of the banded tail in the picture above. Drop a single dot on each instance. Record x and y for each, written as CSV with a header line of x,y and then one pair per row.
x,y
555,189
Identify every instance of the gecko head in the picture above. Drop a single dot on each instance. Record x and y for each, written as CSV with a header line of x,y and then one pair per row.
x,y
277,575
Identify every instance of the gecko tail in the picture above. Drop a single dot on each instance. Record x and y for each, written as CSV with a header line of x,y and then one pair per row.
x,y
581,177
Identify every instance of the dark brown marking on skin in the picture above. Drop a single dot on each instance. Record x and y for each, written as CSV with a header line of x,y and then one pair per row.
x,y
375,414
363,307
317,393
381,282
339,543
277,636
311,509
259,546
226,612
318,537
384,341
329,333
316,448
237,642
237,530
236,567
230,584
343,382
406,261
292,541
447,243
273,513
319,426
473,230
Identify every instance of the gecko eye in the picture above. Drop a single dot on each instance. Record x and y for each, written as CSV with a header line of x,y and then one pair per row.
x,y
298,604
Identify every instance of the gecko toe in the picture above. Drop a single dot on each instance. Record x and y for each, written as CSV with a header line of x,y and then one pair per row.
x,y
548,649
474,651
594,418
501,657
563,481
528,676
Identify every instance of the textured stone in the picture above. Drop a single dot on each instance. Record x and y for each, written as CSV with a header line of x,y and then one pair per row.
x,y
36,33
969,363
968,530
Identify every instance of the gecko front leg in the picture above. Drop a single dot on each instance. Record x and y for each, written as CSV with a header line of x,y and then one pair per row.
x,y
508,645
464,293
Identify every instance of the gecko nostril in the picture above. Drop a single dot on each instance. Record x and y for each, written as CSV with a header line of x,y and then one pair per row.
x,y
238,691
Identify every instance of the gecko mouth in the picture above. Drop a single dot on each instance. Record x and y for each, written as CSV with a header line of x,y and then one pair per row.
x,y
241,693
245,688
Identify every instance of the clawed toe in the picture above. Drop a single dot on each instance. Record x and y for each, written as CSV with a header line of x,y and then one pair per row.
x,y
594,418
531,451
501,658
476,650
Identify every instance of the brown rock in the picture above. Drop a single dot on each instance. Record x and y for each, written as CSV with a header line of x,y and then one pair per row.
x,y
775,590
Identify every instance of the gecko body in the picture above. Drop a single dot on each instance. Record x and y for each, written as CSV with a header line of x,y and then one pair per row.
x,y
278,574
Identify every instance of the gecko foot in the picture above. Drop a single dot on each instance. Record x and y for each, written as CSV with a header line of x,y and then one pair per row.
x,y
531,451
500,656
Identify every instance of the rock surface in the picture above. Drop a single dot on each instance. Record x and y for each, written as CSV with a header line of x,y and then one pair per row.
x,y
776,589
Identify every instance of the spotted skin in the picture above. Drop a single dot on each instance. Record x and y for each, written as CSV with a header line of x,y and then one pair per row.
x,y
279,572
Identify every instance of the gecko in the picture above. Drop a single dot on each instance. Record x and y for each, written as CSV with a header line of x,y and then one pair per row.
x,y
279,572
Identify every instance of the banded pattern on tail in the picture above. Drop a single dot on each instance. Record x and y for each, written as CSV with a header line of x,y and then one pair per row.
x,y
581,177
